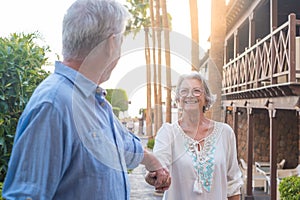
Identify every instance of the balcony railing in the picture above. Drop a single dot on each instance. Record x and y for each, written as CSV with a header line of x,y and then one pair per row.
x,y
269,62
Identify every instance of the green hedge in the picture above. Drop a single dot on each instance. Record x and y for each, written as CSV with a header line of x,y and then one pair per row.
x,y
116,111
118,99
150,143
21,61
289,188
1,184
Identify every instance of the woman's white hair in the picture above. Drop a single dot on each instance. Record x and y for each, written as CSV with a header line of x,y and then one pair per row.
x,y
209,97
89,22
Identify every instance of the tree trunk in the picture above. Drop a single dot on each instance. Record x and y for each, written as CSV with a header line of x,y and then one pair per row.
x,y
149,112
168,60
216,54
195,34
155,114
159,94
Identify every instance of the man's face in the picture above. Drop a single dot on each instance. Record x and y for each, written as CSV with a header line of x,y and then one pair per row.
x,y
117,41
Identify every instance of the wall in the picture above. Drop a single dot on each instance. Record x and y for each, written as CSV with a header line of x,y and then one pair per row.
x,y
288,135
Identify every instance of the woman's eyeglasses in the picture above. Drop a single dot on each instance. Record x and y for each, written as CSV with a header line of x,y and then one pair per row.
x,y
196,92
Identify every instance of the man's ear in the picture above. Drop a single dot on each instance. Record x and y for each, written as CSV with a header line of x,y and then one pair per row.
x,y
112,44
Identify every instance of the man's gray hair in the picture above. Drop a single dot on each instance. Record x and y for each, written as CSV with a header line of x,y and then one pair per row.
x,y
209,97
89,22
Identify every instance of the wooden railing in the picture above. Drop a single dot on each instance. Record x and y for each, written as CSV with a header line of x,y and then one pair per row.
x,y
271,61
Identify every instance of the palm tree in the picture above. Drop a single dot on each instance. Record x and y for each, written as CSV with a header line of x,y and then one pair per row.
x,y
140,20
154,66
166,30
216,53
149,110
138,9
159,92
195,34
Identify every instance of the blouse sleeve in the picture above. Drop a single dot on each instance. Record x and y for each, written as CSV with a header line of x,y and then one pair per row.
x,y
163,145
234,175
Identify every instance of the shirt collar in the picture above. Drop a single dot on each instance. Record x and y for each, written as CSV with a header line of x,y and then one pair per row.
x,y
84,85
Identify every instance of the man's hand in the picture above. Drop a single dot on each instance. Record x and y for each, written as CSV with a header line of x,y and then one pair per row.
x,y
158,176
160,179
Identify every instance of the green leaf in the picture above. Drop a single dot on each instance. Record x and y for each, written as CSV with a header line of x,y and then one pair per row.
x,y
21,71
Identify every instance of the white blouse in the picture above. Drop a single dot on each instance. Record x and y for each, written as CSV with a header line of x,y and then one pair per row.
x,y
211,173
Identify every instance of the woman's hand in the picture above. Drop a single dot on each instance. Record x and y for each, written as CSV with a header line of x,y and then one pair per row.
x,y
160,179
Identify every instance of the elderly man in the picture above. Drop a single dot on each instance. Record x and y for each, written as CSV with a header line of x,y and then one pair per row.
x,y
68,143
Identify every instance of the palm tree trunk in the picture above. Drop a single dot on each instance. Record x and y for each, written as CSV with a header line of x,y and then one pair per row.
x,y
168,60
155,114
149,110
216,54
159,94
195,34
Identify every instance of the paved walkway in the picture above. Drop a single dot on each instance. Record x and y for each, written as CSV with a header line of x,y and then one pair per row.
x,y
139,188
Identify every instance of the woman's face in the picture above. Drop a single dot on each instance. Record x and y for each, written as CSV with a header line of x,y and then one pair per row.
x,y
191,95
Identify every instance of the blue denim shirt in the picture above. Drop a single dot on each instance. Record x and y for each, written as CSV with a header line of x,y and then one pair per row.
x,y
69,145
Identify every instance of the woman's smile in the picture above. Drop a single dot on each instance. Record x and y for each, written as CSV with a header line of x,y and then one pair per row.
x,y
192,100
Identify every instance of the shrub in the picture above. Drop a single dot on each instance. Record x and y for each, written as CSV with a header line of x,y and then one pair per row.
x,y
150,143
21,61
117,98
289,188
1,184
116,111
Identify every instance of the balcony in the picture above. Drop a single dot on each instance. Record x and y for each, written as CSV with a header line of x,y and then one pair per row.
x,y
269,68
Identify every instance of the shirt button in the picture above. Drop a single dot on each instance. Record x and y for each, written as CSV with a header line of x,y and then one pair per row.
x,y
98,90
94,135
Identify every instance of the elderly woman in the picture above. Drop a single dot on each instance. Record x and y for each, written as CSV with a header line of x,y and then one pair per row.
x,y
200,153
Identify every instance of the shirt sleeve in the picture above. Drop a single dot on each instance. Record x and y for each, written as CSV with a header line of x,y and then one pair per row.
x,y
234,175
163,145
35,166
133,149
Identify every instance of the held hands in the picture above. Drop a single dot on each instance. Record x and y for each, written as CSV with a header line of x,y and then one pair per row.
x,y
158,176
160,179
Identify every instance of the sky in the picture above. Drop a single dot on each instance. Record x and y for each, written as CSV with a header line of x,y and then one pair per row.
x,y
45,16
